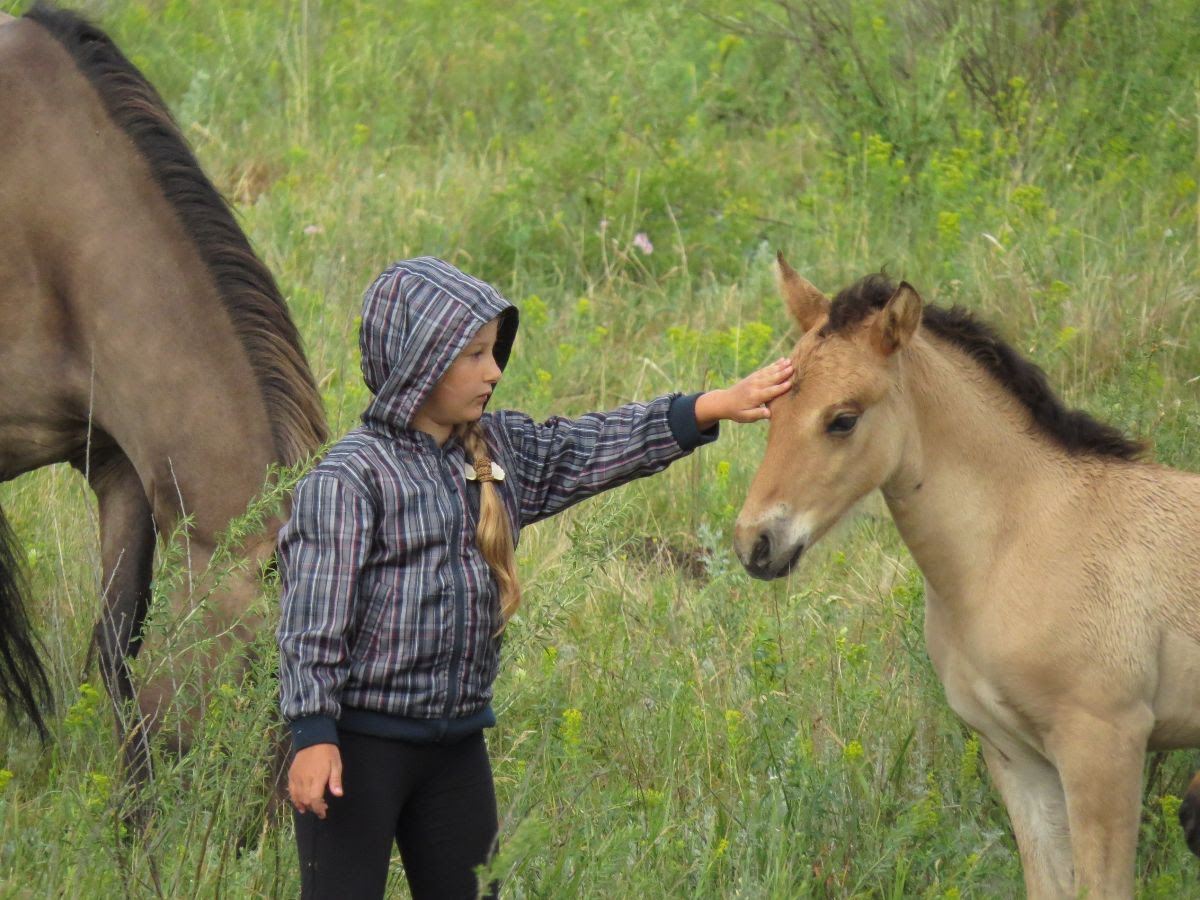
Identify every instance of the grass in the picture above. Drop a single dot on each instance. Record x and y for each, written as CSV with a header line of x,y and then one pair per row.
x,y
667,726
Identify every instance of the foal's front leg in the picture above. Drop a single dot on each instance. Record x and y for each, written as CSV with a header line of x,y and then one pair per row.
x,y
1099,760
1037,808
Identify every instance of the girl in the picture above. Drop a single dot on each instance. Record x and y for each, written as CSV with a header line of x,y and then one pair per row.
x,y
399,575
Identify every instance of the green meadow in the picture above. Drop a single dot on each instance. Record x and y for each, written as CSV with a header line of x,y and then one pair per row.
x,y
625,172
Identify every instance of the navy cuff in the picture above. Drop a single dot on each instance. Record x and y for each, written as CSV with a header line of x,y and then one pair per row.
x,y
311,730
682,419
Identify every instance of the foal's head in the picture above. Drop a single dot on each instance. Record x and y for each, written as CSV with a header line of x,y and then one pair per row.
x,y
840,432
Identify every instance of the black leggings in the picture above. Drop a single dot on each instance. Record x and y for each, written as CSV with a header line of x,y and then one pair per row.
x,y
436,801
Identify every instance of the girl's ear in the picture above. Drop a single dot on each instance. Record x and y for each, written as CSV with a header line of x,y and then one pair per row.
x,y
807,305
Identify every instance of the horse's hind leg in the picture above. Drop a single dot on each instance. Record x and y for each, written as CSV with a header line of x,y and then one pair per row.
x,y
127,555
1037,807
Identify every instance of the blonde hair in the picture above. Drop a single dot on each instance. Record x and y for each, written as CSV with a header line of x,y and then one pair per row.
x,y
494,533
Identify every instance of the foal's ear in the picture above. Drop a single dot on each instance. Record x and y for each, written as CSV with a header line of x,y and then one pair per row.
x,y
807,305
893,328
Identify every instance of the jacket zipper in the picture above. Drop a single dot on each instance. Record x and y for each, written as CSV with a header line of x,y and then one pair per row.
x,y
459,604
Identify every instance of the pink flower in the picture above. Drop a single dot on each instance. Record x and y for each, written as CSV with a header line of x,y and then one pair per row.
x,y
642,242
313,229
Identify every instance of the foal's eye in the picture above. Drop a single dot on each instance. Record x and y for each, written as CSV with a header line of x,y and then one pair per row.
x,y
842,424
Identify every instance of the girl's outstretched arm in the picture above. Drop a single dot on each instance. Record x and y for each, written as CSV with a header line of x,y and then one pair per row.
x,y
563,461
747,400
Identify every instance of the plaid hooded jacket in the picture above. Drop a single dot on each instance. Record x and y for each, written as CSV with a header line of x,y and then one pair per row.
x,y
389,610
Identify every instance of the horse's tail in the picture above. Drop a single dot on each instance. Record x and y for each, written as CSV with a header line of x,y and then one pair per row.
x,y
23,681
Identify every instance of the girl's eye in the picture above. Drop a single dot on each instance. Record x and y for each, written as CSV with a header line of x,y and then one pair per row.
x,y
842,423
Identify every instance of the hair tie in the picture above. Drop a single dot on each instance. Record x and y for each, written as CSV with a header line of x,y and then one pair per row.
x,y
483,470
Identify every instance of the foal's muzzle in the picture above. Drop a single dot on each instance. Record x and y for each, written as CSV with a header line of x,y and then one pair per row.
x,y
768,551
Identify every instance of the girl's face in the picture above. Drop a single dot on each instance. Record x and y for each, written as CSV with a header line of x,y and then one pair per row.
x,y
461,394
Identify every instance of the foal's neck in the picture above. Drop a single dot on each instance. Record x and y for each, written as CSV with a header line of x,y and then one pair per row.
x,y
974,468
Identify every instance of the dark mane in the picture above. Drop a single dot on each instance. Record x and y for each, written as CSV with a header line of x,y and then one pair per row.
x,y
1072,429
247,289
855,303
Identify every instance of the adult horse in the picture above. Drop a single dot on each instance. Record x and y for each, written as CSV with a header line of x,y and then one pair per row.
x,y
143,342
1062,574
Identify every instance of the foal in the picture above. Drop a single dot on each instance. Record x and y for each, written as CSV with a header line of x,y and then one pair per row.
x,y
1062,576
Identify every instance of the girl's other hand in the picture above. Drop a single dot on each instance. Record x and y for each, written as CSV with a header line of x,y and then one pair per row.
x,y
314,769
747,400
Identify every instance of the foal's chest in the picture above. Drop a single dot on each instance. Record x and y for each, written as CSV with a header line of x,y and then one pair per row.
x,y
984,680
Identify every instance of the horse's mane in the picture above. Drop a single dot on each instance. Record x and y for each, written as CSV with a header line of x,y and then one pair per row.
x,y
1072,429
247,288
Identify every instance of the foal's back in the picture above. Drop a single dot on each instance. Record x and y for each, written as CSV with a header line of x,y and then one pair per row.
x,y
1155,514
1138,539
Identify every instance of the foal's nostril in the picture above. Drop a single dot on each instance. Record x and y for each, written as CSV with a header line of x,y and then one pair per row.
x,y
761,552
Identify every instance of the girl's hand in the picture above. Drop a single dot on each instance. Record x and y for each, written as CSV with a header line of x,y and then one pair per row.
x,y
312,770
747,400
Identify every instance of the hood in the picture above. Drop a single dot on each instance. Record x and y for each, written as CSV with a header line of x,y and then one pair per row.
x,y
417,317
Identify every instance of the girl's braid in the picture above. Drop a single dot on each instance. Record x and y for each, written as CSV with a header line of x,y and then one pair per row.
x,y
494,533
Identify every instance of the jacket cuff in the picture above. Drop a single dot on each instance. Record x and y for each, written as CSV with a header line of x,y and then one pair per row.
x,y
311,730
682,418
